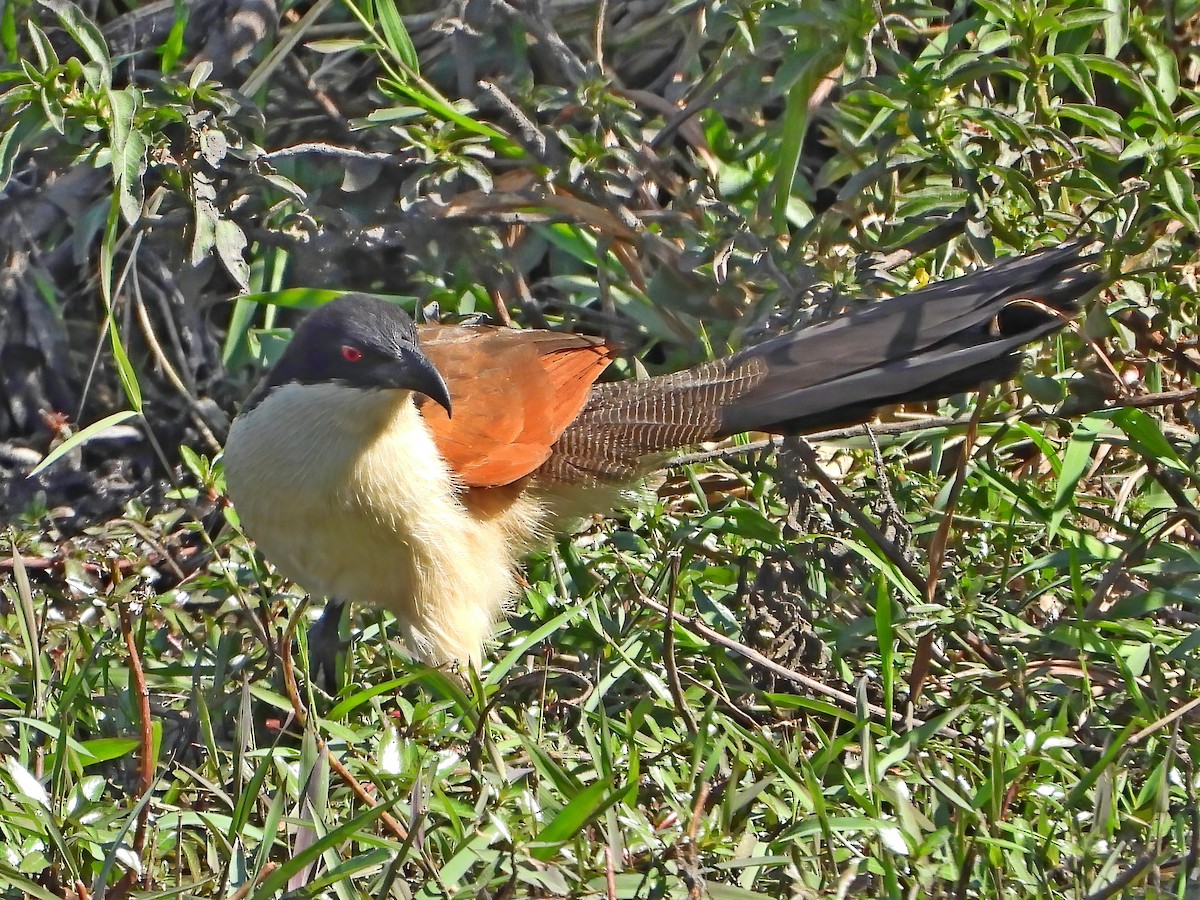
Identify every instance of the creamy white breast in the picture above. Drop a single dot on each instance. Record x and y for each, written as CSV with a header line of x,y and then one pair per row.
x,y
344,491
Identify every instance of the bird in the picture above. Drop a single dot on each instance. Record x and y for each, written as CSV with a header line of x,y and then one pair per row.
x,y
413,467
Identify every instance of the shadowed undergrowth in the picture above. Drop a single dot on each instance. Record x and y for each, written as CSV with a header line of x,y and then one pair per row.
x,y
954,656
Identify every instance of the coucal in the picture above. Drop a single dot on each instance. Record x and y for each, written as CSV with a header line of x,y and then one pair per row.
x,y
349,470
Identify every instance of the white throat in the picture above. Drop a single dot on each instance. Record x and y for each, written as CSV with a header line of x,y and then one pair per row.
x,y
345,491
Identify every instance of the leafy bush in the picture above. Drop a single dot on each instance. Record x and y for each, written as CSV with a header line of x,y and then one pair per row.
x,y
973,679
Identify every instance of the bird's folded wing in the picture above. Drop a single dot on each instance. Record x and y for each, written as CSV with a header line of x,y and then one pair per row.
x,y
513,392
927,344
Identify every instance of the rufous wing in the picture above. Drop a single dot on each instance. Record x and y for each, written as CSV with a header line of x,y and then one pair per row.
x,y
513,394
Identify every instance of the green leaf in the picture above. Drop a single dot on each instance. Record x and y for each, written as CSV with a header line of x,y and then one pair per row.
x,y
1043,389
237,330
1181,191
12,877
296,298
108,243
46,57
1074,68
8,31
335,45
27,129
29,628
84,32
53,110
885,633
129,380
467,854
298,861
80,438
128,151
877,561
583,808
795,127
231,243
720,891
495,675
339,875
200,75
1076,460
396,35
748,522
995,41
271,826
922,201
105,749
1166,70
250,796
204,229
1113,68
172,48
357,699
1099,120
1137,149
1077,18
501,143
1146,435
1116,27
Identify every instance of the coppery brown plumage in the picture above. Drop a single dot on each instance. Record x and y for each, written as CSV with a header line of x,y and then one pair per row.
x,y
349,470
499,434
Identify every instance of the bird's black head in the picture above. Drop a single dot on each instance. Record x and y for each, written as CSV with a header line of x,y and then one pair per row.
x,y
361,342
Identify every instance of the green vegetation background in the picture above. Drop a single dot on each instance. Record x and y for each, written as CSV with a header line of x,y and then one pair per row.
x,y
946,660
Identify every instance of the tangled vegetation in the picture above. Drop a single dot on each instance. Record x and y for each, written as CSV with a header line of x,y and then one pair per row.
x,y
952,655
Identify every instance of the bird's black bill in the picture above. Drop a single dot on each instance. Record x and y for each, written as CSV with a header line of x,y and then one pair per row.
x,y
418,374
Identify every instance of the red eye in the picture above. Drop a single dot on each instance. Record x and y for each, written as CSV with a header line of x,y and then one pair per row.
x,y
351,354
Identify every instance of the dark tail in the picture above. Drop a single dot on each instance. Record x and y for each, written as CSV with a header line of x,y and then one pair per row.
x,y
941,340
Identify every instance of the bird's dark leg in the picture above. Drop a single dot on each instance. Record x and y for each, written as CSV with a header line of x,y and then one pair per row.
x,y
323,645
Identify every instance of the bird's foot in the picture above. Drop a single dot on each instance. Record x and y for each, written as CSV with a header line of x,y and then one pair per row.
x,y
324,642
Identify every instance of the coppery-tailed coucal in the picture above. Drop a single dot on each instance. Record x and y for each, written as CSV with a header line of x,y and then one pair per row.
x,y
354,478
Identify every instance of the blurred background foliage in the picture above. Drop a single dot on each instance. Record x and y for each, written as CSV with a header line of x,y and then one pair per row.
x,y
179,179
701,169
